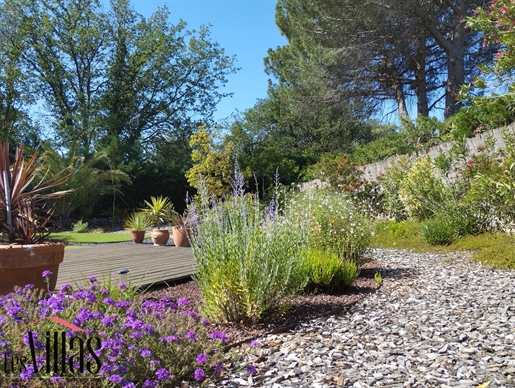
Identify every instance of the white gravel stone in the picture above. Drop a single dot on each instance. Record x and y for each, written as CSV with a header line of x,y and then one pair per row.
x,y
437,321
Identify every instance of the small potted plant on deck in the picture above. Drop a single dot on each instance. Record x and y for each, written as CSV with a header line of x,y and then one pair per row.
x,y
138,223
180,230
159,209
25,211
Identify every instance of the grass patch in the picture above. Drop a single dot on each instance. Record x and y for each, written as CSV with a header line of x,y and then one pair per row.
x,y
496,250
91,238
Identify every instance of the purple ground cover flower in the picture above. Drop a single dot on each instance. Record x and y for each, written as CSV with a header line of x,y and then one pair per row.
x,y
255,343
92,279
46,273
182,302
216,335
251,369
191,335
162,373
201,358
199,374
218,367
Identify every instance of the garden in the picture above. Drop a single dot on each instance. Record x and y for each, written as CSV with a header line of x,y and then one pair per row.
x,y
268,257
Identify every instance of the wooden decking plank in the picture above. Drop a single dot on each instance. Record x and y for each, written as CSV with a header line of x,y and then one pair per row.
x,y
147,264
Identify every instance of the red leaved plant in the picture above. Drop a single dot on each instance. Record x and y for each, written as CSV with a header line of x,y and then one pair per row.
x,y
25,196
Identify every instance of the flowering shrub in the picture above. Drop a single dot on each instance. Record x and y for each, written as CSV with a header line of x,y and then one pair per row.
x,y
101,337
336,225
247,258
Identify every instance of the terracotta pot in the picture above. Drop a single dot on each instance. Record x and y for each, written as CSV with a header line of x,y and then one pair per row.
x,y
138,236
23,264
160,236
180,237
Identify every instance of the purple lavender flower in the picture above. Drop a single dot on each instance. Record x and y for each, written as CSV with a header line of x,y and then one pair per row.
x,y
162,373
66,287
218,367
115,379
109,321
47,273
216,335
251,369
255,343
191,335
238,184
271,211
199,374
92,279
149,384
146,353
201,358
123,304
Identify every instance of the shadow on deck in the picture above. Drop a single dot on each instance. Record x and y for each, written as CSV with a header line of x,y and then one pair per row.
x,y
148,265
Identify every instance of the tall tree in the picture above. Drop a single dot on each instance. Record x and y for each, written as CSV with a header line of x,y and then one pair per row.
x,y
378,50
113,79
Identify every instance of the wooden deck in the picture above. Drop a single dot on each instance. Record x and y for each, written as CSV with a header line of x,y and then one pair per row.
x,y
147,264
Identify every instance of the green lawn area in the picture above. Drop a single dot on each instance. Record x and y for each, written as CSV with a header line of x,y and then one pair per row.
x,y
496,250
91,238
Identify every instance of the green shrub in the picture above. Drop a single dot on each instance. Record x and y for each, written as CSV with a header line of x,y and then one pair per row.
x,y
439,231
336,225
328,271
390,182
80,227
422,192
247,259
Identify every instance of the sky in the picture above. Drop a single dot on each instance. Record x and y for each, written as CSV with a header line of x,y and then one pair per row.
x,y
245,28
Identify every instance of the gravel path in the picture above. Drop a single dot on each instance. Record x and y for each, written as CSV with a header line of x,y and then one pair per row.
x,y
437,321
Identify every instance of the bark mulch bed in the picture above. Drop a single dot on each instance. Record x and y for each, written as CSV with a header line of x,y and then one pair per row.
x,y
303,308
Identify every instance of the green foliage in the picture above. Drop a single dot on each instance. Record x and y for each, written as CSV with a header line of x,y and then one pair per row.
x,y
378,277
328,272
80,227
159,210
483,114
138,221
399,235
88,177
391,182
91,238
423,132
383,147
336,225
438,231
422,193
114,80
246,262
211,163
346,176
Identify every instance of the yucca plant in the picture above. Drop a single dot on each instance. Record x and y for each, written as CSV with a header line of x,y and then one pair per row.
x,y
25,204
159,209
138,221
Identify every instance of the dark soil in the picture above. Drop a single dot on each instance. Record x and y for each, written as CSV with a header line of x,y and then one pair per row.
x,y
301,308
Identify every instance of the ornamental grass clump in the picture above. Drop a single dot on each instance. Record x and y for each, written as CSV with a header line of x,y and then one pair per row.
x,y
248,258
94,336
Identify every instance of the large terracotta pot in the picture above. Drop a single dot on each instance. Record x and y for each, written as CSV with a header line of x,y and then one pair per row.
x,y
160,236
23,264
138,236
180,238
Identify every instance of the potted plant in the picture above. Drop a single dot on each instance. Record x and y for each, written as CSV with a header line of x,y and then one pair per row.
x,y
159,209
138,223
180,230
25,211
